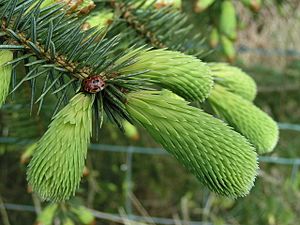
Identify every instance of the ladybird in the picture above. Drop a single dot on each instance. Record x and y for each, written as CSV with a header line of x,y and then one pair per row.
x,y
93,84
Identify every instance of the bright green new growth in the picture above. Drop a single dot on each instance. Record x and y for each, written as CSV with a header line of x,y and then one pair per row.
x,y
183,74
221,158
5,74
46,217
83,214
99,20
234,80
254,124
58,161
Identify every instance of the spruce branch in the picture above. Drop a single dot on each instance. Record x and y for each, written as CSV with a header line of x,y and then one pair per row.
x,y
246,118
43,56
185,75
160,27
58,160
234,80
219,157
63,57
142,69
53,47
5,74
127,13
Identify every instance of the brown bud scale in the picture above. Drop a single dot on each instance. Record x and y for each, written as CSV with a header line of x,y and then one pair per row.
x,y
93,84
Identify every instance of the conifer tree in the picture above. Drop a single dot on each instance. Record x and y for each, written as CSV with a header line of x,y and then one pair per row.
x,y
138,63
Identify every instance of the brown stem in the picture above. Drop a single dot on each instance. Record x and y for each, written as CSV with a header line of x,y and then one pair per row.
x,y
59,60
128,15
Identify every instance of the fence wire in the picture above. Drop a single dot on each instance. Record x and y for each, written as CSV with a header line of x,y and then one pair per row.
x,y
113,217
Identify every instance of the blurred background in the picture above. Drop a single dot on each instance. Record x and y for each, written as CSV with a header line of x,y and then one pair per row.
x,y
129,177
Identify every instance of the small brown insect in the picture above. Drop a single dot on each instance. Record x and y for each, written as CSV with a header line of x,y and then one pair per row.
x,y
93,84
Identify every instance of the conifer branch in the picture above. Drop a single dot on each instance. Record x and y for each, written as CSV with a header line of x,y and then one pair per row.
x,y
58,160
218,156
40,29
52,46
260,129
161,28
127,13
27,47
192,79
234,80
112,78
5,73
